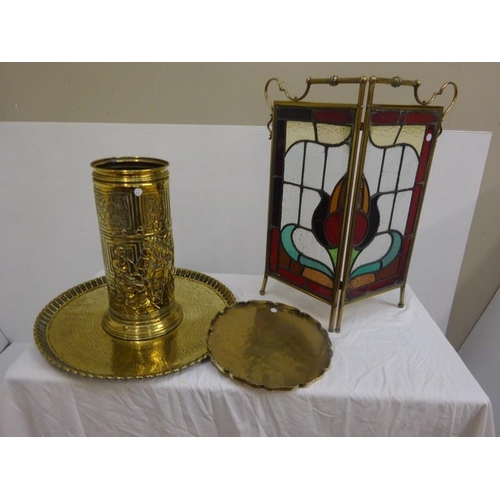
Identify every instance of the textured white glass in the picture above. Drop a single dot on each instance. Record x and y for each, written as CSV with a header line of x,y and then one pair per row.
x,y
337,161
314,165
290,205
408,169
293,164
373,164
307,244
390,170
375,251
385,208
310,200
401,209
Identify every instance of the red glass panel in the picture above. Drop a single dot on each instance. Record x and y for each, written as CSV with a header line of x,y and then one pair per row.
x,y
358,292
412,214
279,134
320,290
333,227
404,255
385,117
274,249
419,118
279,163
292,277
304,283
334,116
360,228
424,156
277,201
383,284
391,271
294,113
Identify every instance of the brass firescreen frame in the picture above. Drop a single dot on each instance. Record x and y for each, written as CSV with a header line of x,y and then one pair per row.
x,y
355,172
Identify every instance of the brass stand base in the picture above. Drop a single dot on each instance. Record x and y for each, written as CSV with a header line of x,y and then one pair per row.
x,y
147,328
69,333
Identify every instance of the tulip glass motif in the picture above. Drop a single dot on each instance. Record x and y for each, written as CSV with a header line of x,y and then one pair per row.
x,y
310,176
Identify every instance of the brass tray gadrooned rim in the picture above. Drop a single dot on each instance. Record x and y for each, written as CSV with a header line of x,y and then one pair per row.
x,y
289,309
44,317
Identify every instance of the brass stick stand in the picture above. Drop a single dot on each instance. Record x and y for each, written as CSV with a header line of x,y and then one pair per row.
x,y
133,210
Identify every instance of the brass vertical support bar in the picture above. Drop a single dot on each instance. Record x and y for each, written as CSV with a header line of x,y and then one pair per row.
x,y
263,287
402,296
353,202
332,317
346,217
269,199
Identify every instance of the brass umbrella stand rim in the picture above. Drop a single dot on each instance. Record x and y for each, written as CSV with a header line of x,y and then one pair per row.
x,y
129,163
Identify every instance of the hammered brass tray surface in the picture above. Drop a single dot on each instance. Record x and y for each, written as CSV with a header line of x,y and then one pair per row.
x,y
269,345
69,334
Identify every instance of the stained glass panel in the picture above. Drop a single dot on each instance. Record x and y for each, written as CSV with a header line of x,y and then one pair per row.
x,y
312,147
397,162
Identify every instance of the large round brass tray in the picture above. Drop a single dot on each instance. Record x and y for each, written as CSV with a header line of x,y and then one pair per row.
x,y
269,345
69,333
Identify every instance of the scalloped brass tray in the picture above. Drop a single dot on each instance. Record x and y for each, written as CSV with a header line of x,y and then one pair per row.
x,y
269,345
69,334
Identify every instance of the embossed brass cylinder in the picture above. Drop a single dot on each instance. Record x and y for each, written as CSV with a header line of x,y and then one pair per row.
x,y
133,211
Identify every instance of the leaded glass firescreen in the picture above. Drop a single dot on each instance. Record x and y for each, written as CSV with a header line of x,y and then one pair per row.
x,y
345,195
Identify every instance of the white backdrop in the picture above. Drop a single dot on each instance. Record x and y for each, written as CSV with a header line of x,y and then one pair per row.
x,y
219,193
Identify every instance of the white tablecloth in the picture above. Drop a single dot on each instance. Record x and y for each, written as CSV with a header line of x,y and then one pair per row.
x,y
393,373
